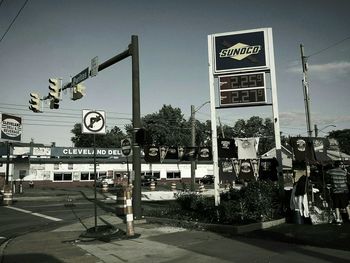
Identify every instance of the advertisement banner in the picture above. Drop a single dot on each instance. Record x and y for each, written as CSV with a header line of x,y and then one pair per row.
x,y
11,127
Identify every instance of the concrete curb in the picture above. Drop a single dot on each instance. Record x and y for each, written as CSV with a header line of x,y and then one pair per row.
x,y
226,229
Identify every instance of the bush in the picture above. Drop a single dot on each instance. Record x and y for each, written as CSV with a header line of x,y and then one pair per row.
x,y
256,202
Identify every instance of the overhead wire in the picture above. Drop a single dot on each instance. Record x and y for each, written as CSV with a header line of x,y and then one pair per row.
x,y
330,46
9,27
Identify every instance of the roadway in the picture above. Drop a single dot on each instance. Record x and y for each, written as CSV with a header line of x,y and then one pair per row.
x,y
28,216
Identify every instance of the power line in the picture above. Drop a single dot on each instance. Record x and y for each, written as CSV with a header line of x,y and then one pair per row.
x,y
8,29
333,45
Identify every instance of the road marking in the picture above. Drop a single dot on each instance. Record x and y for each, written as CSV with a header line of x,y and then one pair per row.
x,y
2,237
35,214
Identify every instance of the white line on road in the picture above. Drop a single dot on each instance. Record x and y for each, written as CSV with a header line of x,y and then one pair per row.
x,y
35,214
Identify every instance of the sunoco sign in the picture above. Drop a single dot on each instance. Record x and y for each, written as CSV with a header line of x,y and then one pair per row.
x,y
240,51
11,127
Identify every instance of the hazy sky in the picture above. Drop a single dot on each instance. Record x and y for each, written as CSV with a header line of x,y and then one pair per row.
x,y
58,38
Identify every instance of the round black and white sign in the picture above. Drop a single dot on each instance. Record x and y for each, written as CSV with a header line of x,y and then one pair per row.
x,y
126,147
94,122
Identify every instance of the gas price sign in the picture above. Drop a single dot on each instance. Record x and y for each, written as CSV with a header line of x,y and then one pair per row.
x,y
242,89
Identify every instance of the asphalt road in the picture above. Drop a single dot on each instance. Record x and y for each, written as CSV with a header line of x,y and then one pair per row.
x,y
28,216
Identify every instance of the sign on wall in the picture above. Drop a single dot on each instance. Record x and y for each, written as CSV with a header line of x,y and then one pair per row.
x,y
11,127
241,51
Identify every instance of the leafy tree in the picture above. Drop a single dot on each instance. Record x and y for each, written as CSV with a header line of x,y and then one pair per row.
x,y
167,127
343,137
111,139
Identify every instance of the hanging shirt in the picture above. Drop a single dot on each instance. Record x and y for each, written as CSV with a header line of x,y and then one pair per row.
x,y
246,171
303,149
246,148
152,154
227,148
320,147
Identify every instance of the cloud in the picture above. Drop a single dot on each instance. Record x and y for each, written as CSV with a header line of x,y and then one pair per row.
x,y
296,121
342,66
338,66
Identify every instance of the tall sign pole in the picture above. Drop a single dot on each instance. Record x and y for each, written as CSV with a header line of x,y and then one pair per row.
x,y
275,111
214,135
136,118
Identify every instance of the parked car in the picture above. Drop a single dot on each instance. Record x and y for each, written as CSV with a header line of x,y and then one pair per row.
x,y
100,181
147,179
207,179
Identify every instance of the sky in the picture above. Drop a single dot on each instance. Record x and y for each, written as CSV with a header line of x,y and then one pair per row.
x,y
52,38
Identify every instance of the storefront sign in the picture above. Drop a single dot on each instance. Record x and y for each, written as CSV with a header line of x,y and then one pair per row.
x,y
85,152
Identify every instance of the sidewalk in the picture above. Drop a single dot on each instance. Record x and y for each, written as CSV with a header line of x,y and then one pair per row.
x,y
158,243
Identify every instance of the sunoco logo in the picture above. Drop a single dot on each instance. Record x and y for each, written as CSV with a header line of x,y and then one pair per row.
x,y
240,51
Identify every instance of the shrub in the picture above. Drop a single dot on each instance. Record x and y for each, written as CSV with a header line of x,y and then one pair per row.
x,y
256,202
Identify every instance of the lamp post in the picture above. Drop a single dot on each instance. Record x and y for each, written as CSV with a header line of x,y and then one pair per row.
x,y
193,141
319,130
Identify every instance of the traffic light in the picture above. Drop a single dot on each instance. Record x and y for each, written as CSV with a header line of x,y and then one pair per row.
x,y
35,102
142,136
78,92
54,103
55,88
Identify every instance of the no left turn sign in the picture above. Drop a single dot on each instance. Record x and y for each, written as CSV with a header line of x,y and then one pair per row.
x,y
94,122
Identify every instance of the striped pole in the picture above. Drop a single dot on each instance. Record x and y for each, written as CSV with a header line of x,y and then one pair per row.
x,y
129,214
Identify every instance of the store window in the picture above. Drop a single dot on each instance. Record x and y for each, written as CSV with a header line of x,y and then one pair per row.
x,y
102,174
62,177
173,175
84,176
151,173
92,176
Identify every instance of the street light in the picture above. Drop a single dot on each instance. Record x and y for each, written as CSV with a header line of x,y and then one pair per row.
x,y
320,130
193,141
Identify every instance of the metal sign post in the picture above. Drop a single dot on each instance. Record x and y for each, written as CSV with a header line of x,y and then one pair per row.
x,y
94,122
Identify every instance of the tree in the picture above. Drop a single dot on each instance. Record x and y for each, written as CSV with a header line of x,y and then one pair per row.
x,y
111,139
167,127
343,137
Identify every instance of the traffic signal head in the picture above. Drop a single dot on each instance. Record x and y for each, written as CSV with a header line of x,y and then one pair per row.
x,y
78,92
54,103
35,102
54,87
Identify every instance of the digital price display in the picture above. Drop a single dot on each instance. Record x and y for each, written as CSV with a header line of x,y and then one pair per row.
x,y
242,89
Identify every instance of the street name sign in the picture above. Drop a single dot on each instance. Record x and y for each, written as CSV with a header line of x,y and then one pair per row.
x,y
83,75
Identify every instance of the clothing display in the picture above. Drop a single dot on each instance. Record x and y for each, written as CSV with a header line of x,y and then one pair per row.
x,y
152,154
168,153
303,150
227,148
205,154
246,148
246,172
268,169
320,146
189,154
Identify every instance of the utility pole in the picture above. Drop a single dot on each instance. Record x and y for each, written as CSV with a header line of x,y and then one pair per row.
x,y
316,130
193,144
306,91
